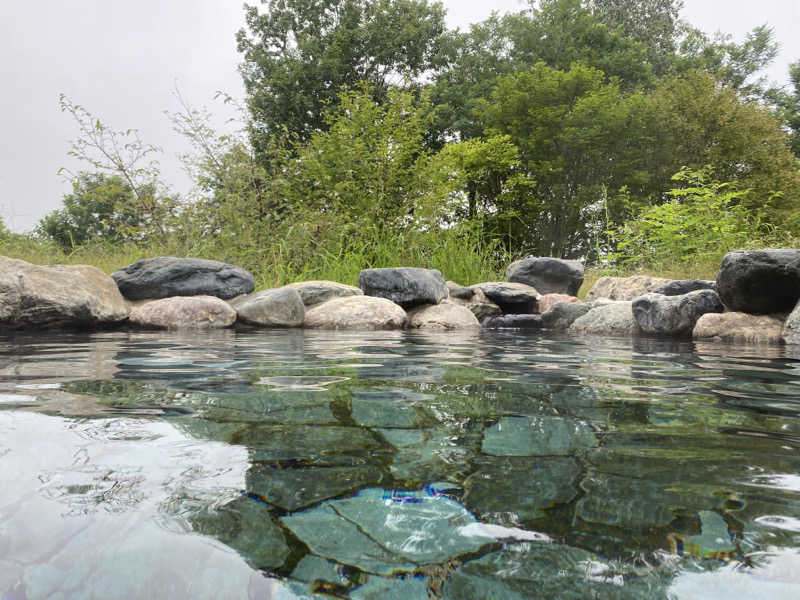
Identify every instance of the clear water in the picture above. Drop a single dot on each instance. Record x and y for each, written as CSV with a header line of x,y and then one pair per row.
x,y
396,465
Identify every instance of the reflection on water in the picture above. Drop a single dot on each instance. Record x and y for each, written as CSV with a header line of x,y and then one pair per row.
x,y
295,464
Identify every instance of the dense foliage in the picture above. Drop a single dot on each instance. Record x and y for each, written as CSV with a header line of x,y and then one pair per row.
x,y
375,136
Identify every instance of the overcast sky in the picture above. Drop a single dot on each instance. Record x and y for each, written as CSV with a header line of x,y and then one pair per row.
x,y
122,59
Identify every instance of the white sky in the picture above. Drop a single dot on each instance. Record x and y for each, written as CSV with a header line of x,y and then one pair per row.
x,y
121,60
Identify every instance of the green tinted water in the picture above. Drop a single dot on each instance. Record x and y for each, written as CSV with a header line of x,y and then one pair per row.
x,y
396,465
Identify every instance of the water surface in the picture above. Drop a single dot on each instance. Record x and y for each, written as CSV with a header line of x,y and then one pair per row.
x,y
297,464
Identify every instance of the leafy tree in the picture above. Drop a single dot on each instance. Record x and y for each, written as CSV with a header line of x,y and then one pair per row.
x,y
787,105
100,208
574,133
299,55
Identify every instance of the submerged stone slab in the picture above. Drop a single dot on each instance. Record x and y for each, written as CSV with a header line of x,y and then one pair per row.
x,y
406,286
166,276
739,328
436,453
184,312
512,298
316,292
624,288
537,436
57,296
385,531
760,281
442,317
356,312
547,275
278,307
615,318
674,315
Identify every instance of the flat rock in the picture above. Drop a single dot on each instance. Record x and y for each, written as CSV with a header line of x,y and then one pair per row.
x,y
547,275
513,322
563,314
544,435
278,307
184,312
406,286
548,300
33,296
624,288
512,298
442,316
356,312
317,292
679,287
760,281
791,329
739,327
167,276
615,318
674,315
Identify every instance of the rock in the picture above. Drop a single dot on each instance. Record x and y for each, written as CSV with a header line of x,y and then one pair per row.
x,y
406,286
317,292
278,307
57,296
442,316
674,315
459,291
478,303
547,275
760,281
544,435
184,312
512,298
791,329
513,322
356,312
679,287
739,327
562,314
624,288
167,276
548,300
615,318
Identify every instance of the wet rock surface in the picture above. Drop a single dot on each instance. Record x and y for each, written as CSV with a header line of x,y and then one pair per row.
x,y
791,328
674,315
547,275
442,317
278,307
563,314
614,318
739,328
166,276
513,322
760,281
184,312
512,298
405,286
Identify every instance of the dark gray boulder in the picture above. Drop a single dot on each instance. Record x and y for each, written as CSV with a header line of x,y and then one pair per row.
x,y
547,275
760,281
406,286
674,315
459,291
513,322
512,298
561,315
679,287
167,276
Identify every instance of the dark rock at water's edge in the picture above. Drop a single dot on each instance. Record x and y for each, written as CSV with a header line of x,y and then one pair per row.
x,y
459,291
760,281
512,298
679,287
547,275
561,315
528,321
674,315
406,286
166,276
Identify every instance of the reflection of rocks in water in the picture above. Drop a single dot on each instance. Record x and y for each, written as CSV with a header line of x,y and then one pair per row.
x,y
510,490
246,526
385,531
537,436
440,453
550,571
293,488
